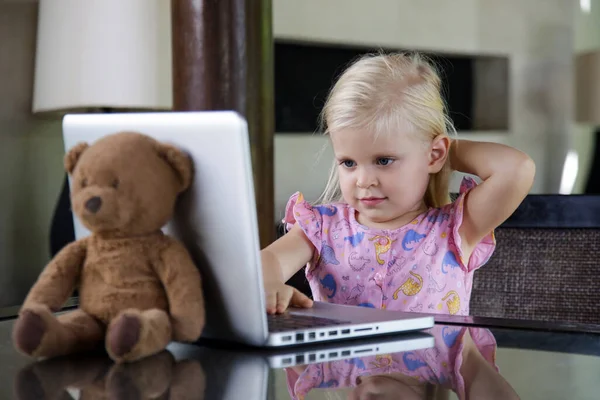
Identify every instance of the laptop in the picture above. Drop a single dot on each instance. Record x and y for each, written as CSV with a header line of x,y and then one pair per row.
x,y
216,219
290,356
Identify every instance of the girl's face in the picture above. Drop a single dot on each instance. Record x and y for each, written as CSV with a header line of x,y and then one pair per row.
x,y
385,177
387,388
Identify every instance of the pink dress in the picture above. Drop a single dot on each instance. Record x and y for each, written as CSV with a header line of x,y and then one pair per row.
x,y
438,365
418,267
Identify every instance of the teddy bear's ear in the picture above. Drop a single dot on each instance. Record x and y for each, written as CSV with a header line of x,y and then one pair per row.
x,y
179,161
73,155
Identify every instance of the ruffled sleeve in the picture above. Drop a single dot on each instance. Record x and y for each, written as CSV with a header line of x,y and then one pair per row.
x,y
306,216
291,378
485,248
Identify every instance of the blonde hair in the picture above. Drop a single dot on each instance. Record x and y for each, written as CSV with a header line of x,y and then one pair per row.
x,y
381,93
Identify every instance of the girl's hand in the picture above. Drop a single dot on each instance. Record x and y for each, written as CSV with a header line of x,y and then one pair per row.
x,y
279,296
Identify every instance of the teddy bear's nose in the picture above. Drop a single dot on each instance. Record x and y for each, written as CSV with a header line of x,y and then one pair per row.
x,y
93,204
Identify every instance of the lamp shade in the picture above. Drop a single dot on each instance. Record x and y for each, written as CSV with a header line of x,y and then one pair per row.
x,y
587,87
103,54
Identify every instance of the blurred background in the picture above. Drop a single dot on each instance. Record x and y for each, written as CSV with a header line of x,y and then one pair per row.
x,y
519,72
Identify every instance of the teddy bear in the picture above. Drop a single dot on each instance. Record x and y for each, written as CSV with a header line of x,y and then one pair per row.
x,y
95,376
139,288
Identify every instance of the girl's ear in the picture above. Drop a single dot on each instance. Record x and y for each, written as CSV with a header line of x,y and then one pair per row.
x,y
438,153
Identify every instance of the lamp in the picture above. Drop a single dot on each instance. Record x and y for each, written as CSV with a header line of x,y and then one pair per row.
x,y
103,54
100,55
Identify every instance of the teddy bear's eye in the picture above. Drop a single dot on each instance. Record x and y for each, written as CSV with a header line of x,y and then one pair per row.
x,y
115,184
84,182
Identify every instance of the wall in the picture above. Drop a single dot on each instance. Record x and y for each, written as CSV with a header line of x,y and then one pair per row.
x,y
30,158
536,35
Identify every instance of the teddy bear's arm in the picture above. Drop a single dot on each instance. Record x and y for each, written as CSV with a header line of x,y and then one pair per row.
x,y
183,284
58,279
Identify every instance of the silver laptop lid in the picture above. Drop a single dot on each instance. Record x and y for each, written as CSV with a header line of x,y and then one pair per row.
x,y
215,218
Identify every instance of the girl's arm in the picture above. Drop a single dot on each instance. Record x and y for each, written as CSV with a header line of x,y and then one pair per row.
x,y
287,255
507,175
280,261
481,379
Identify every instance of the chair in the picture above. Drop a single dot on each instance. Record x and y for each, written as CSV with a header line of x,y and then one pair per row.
x,y
546,264
62,230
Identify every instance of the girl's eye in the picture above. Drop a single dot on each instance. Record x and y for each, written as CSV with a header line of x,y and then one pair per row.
x,y
384,161
84,183
348,163
115,184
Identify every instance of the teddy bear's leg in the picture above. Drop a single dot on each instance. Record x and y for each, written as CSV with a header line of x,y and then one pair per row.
x,y
49,379
135,334
189,381
39,333
148,378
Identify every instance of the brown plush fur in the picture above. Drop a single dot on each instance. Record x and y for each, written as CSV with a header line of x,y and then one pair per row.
x,y
155,377
138,288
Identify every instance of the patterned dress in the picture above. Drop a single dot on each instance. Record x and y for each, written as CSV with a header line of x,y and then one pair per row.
x,y
418,267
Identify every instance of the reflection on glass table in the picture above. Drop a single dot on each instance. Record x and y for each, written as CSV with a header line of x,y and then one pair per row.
x,y
446,362
463,361
98,377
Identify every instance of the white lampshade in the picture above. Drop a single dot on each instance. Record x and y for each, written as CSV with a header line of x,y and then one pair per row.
x,y
103,54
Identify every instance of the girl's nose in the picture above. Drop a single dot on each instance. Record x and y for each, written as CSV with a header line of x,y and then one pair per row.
x,y
366,178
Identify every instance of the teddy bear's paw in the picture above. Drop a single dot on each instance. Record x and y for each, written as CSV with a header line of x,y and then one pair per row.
x,y
29,331
123,335
134,334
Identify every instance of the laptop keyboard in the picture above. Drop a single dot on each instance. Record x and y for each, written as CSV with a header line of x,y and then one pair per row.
x,y
288,322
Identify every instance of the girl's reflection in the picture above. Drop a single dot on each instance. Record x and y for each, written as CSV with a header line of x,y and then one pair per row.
x,y
463,360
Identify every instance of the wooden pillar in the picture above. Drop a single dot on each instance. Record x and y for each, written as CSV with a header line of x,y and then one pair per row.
x,y
223,60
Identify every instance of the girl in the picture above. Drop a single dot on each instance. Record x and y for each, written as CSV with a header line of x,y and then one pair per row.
x,y
384,233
